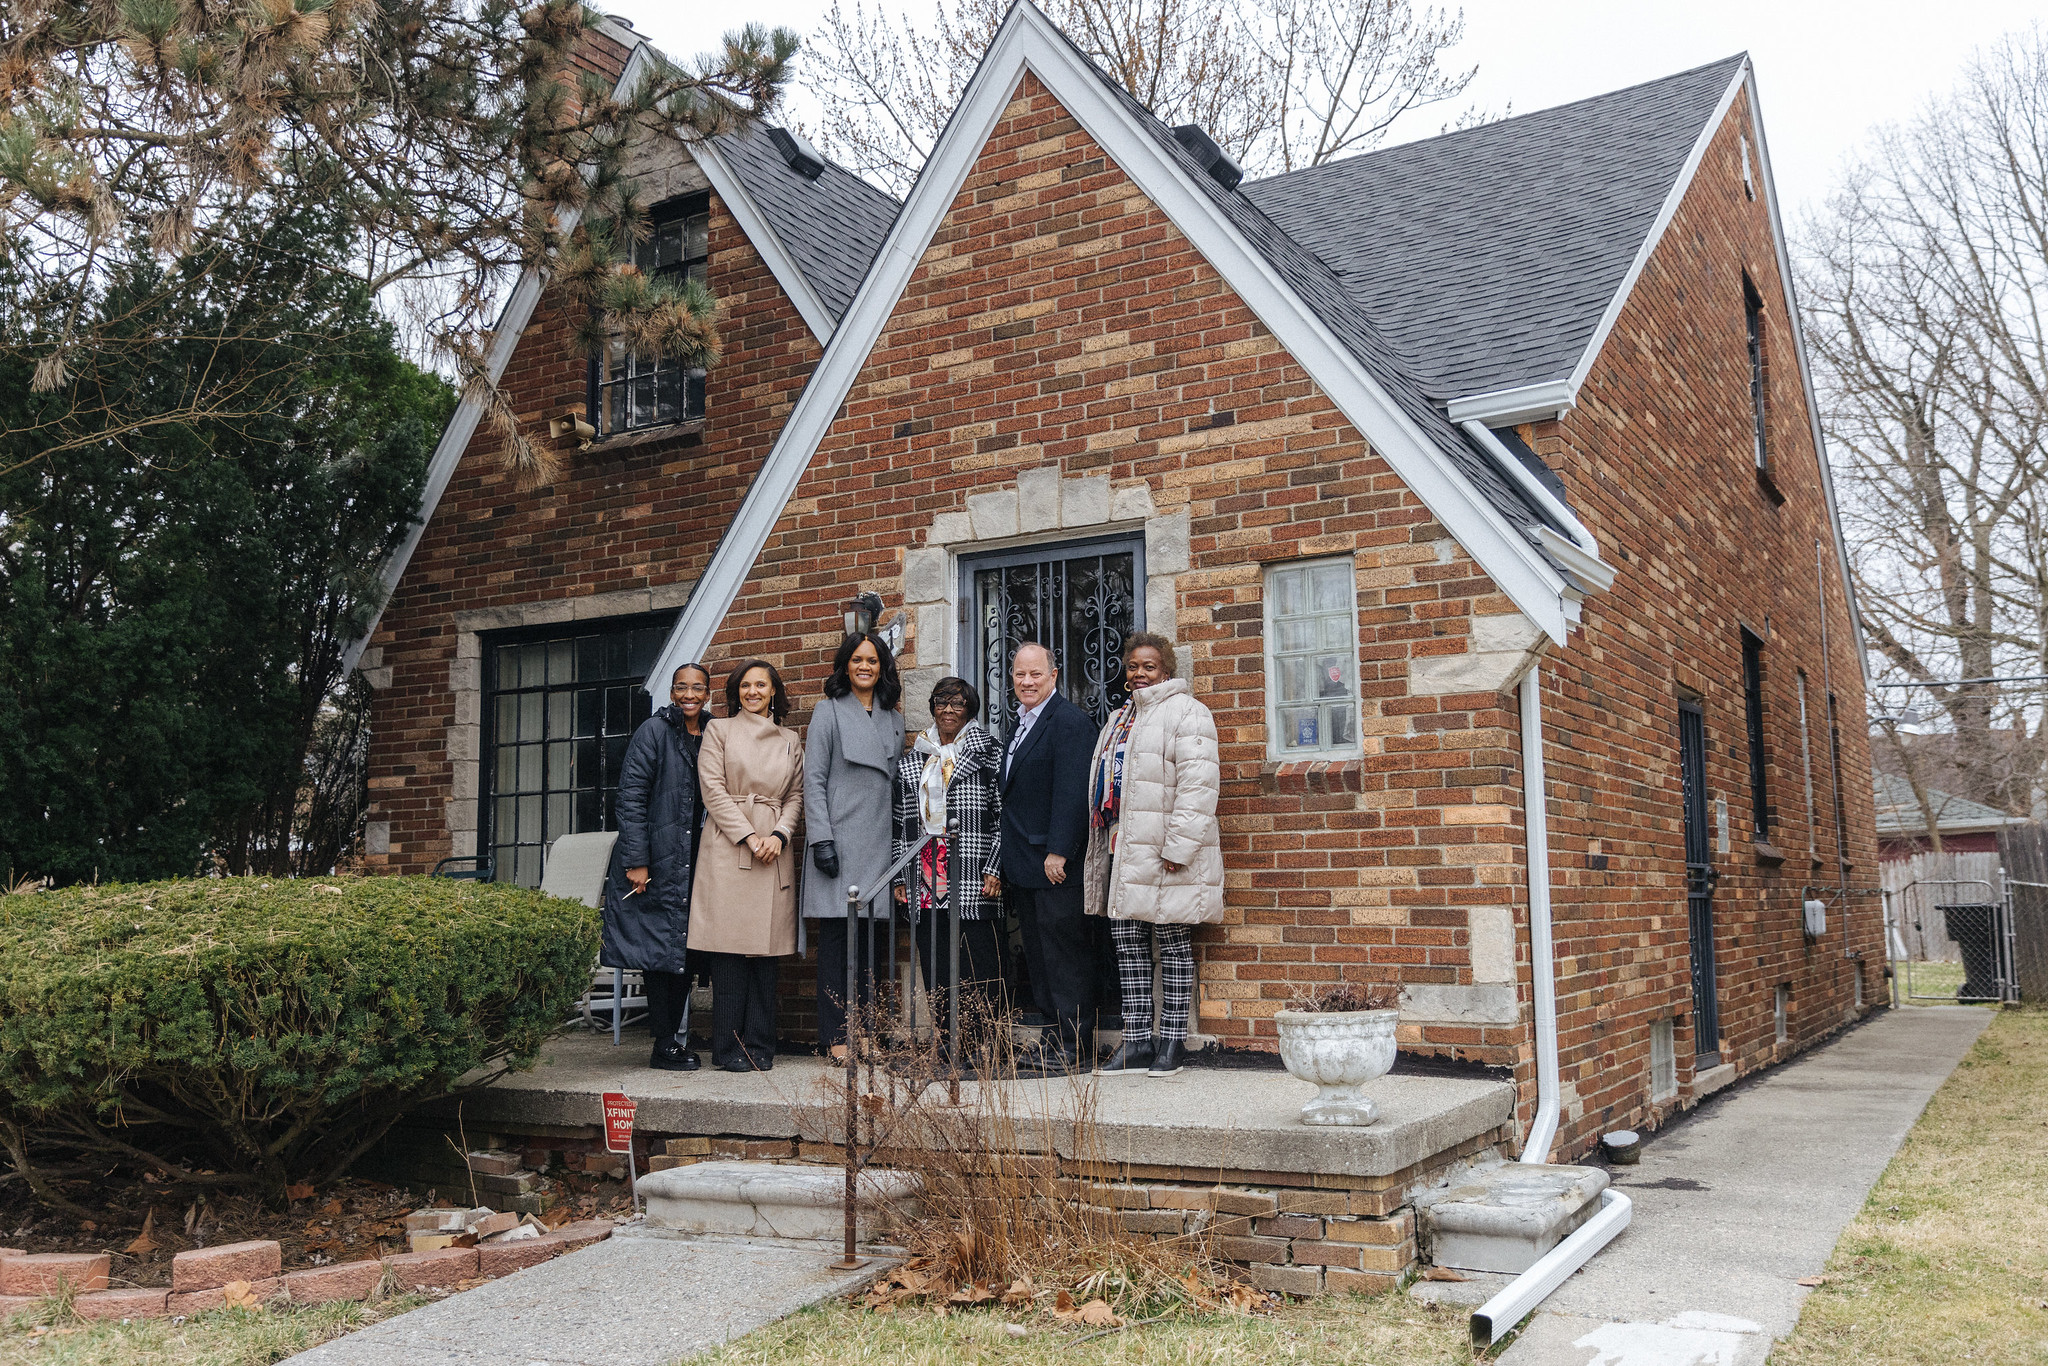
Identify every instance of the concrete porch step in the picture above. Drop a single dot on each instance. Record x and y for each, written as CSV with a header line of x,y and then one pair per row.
x,y
768,1200
1505,1218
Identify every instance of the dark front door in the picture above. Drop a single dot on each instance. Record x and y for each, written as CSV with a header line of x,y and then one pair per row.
x,y
1079,600
1700,876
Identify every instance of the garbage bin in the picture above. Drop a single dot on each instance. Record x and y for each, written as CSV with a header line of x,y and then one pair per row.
x,y
1975,929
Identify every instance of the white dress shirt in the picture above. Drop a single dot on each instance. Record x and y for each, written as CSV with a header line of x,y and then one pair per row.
x,y
1025,719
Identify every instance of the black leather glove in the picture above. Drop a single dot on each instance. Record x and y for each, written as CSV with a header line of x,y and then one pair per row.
x,y
825,858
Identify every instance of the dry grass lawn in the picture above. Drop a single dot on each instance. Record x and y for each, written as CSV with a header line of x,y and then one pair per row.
x,y
227,1337
1948,1262
1343,1330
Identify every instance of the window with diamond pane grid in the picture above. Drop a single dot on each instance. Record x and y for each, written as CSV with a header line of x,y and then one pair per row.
x,y
1312,659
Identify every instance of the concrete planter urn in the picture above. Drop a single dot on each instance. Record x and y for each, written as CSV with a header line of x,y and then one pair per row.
x,y
1338,1052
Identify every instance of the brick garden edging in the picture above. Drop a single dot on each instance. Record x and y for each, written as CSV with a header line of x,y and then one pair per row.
x,y
202,1278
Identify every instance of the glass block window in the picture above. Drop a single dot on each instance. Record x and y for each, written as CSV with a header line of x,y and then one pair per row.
x,y
1663,1059
630,391
559,710
1312,659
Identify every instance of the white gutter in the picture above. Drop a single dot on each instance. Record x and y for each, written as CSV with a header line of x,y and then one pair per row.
x,y
1577,550
1542,966
1521,1295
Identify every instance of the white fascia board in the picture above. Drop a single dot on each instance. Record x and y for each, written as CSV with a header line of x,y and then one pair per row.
x,y
1026,42
763,239
1664,216
1820,447
1524,403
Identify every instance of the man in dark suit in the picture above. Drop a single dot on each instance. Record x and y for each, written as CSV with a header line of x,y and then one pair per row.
x,y
1045,839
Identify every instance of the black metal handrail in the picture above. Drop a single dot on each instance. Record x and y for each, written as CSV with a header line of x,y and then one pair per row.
x,y
857,910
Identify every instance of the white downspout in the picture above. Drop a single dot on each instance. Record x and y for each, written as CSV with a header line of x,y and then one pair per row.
x,y
1521,1295
1542,967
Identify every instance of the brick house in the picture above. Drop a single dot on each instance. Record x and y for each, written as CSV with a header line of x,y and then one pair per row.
x,y
1484,450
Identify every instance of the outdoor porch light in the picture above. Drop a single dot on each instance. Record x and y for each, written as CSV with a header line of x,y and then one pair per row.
x,y
862,613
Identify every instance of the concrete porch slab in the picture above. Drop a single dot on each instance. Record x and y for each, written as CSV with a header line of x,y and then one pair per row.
x,y
1213,1119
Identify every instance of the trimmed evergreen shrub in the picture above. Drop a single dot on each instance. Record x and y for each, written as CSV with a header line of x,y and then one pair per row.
x,y
254,1032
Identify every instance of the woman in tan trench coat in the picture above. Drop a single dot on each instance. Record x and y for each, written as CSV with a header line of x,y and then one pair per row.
x,y
751,774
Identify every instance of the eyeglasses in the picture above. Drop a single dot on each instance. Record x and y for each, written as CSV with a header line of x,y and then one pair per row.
x,y
950,704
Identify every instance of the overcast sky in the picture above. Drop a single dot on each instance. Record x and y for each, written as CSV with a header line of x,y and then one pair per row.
x,y
1827,70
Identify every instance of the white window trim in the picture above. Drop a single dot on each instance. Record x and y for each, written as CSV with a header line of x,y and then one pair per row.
x,y
1275,751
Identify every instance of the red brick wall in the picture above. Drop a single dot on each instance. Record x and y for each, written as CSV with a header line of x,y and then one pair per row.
x,y
630,513
1060,317
1659,464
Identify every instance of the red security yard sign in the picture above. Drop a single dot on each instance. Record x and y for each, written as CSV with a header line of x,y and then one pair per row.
x,y
618,1136
618,1122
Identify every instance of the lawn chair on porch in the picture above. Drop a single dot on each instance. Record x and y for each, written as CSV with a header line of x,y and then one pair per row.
x,y
575,868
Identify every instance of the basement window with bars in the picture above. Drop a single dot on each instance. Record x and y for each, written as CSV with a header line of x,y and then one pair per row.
x,y
631,392
1312,660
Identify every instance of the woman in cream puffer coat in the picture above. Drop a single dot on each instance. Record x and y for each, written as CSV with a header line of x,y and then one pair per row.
x,y
1154,864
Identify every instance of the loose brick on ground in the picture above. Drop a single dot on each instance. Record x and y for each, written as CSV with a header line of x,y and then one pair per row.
x,y
208,1268
200,1301
122,1304
342,1281
439,1269
41,1273
582,1233
499,1259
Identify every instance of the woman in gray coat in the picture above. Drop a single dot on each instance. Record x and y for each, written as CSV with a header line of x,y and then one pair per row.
x,y
647,891
856,737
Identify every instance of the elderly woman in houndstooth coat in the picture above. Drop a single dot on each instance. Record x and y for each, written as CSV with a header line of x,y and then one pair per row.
x,y
1155,857
950,774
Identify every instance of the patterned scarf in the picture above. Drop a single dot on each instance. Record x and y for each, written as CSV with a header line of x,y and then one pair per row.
x,y
938,776
1108,795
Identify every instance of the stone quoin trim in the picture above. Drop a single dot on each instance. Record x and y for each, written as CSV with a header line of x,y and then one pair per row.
x,y
1027,43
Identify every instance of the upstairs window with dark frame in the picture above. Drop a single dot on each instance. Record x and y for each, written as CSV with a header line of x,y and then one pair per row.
x,y
1753,715
1753,320
628,391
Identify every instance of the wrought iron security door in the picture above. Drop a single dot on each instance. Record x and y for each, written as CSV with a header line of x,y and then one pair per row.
x,y
1700,877
1080,600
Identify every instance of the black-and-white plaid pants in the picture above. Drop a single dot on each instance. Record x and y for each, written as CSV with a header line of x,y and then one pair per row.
x,y
1176,943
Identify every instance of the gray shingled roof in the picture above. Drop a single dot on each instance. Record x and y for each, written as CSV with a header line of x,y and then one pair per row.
x,y
832,226
1487,256
1323,293
1899,813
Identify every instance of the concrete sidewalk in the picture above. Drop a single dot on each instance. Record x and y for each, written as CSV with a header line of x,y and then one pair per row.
x,y
627,1301
1736,1203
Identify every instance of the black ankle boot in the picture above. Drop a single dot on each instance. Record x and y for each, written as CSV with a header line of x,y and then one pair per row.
x,y
670,1056
1132,1056
1166,1056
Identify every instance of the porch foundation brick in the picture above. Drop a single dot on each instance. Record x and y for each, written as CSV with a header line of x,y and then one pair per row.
x,y
1218,1198
662,1162
1336,1281
208,1268
122,1304
1266,1250
342,1281
502,1259
1309,1253
1313,1202
495,1164
202,1301
436,1270
1399,1257
41,1273
1171,1221
14,1304
1112,1197
1291,1226
689,1147
1396,1228
1223,1225
1289,1280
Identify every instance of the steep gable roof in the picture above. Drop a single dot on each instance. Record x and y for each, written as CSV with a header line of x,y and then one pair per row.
x,y
1490,256
1293,293
831,227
